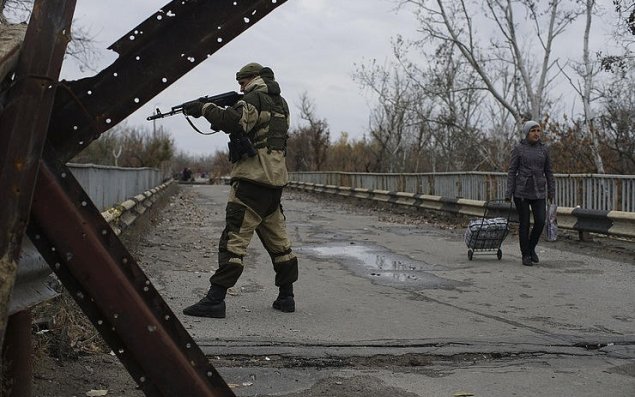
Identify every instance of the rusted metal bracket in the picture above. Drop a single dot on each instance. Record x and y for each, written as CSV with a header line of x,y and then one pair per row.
x,y
23,128
69,231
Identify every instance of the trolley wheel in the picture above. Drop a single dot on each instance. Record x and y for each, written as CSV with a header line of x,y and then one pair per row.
x,y
470,253
499,254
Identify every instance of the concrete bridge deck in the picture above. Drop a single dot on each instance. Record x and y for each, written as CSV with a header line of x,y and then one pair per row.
x,y
389,305
395,306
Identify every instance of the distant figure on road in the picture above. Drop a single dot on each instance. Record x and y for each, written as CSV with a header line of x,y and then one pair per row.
x,y
530,181
258,127
186,175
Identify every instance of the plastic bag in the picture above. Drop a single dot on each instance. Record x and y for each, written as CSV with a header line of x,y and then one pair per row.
x,y
552,222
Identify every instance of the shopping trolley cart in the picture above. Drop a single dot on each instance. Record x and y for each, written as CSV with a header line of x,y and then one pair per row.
x,y
487,234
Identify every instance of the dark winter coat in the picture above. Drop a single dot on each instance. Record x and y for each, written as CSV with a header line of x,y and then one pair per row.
x,y
530,175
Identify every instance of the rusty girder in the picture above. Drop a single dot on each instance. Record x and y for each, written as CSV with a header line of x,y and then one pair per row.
x,y
23,127
110,287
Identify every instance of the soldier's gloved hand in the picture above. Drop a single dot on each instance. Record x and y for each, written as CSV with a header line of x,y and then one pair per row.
x,y
194,109
508,199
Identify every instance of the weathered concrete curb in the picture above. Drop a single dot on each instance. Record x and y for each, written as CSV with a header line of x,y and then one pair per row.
x,y
123,215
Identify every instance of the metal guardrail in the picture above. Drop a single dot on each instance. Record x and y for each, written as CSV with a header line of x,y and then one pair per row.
x,y
588,191
616,223
109,185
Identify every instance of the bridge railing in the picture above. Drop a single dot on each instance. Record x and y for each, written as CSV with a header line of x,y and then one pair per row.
x,y
109,185
588,191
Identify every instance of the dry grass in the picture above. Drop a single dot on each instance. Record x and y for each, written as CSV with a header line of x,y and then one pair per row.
x,y
62,330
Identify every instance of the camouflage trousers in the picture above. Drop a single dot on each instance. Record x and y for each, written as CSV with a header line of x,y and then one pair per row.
x,y
254,208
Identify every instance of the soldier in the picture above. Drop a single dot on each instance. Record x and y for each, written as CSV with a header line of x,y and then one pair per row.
x,y
258,125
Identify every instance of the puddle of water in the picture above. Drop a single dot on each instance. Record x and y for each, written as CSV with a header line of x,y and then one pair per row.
x,y
383,266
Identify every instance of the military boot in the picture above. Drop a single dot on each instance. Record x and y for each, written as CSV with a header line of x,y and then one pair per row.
x,y
212,305
285,302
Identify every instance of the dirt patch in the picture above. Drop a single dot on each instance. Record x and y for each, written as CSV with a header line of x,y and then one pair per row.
x,y
356,386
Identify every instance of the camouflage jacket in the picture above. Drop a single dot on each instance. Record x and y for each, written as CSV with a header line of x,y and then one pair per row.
x,y
263,116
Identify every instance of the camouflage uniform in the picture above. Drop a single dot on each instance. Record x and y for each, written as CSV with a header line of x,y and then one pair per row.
x,y
257,181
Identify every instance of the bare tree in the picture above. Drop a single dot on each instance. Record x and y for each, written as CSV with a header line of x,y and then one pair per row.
x,y
453,22
392,119
308,144
82,44
618,122
587,89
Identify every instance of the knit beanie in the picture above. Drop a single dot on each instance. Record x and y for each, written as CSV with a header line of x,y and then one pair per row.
x,y
529,125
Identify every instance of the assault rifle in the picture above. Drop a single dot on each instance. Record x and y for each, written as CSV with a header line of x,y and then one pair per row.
x,y
226,99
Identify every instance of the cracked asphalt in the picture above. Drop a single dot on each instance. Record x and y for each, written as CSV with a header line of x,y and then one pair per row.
x,y
388,304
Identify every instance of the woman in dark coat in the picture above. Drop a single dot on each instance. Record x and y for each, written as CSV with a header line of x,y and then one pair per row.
x,y
530,182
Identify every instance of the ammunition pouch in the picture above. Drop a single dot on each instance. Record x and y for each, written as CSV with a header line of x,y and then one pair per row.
x,y
240,147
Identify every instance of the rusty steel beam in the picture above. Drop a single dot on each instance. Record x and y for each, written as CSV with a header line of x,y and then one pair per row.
x,y
23,128
108,284
152,56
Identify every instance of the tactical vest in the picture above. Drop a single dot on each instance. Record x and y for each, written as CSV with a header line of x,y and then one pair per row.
x,y
272,129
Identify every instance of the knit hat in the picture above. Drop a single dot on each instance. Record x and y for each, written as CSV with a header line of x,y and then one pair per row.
x,y
529,125
249,70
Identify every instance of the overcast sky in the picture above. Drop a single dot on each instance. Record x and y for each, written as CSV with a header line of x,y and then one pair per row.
x,y
320,42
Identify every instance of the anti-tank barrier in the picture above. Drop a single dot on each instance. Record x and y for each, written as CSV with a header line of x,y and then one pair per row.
x,y
614,223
